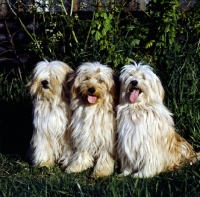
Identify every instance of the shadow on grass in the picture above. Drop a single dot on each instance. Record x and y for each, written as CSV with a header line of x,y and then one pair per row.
x,y
15,127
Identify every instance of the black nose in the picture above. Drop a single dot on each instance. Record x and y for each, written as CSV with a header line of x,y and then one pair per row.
x,y
134,83
91,90
45,84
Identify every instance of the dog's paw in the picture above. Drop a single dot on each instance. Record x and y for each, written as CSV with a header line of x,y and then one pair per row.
x,y
125,173
47,164
101,171
76,168
141,175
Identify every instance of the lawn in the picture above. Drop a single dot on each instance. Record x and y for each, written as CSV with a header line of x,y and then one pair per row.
x,y
18,178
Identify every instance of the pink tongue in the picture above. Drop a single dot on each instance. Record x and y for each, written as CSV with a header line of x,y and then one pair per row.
x,y
91,99
134,96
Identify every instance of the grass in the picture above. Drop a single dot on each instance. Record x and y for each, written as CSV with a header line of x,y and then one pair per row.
x,y
17,178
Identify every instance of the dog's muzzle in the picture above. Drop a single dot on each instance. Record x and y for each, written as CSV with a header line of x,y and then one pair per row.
x,y
133,85
45,84
91,90
134,91
91,97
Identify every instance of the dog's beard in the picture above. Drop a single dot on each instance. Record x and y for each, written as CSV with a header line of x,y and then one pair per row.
x,y
144,92
93,93
53,91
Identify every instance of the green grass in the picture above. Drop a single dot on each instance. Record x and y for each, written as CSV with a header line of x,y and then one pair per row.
x,y
17,178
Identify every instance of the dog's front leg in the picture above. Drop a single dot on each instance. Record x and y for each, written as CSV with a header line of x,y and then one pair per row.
x,y
80,161
41,152
104,165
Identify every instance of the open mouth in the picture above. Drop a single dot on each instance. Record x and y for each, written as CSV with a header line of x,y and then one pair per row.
x,y
134,94
91,99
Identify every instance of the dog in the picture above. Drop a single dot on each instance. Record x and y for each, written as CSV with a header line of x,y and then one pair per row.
x,y
147,142
51,142
93,123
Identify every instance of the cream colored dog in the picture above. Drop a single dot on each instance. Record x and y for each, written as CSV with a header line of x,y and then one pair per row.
x,y
50,142
147,141
93,119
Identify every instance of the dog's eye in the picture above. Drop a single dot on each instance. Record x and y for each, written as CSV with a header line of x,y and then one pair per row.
x,y
100,81
143,76
87,78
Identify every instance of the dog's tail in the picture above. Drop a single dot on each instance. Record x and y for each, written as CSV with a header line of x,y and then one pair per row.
x,y
193,158
187,151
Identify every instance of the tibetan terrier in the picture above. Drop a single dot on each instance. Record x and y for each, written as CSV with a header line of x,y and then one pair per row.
x,y
93,120
147,141
50,141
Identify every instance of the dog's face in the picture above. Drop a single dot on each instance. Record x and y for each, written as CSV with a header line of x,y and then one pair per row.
x,y
93,83
47,80
140,84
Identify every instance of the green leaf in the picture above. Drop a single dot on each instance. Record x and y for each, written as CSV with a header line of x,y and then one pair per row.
x,y
97,35
103,32
135,42
104,15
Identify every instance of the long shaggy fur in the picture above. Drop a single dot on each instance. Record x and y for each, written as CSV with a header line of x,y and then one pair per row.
x,y
147,141
50,141
93,120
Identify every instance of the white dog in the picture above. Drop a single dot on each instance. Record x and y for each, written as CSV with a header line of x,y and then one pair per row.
x,y
147,141
93,120
50,142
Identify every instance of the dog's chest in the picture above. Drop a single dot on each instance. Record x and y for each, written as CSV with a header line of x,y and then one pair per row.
x,y
93,117
141,121
93,123
52,118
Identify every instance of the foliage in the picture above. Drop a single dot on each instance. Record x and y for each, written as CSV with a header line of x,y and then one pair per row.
x,y
183,95
12,85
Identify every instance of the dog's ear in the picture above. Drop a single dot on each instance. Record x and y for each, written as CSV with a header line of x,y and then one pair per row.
x,y
67,83
71,85
31,86
160,90
69,79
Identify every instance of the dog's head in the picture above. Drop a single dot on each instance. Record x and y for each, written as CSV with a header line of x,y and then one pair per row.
x,y
93,83
48,80
140,84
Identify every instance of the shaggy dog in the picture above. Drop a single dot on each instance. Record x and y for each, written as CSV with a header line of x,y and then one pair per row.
x,y
50,141
147,141
93,120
